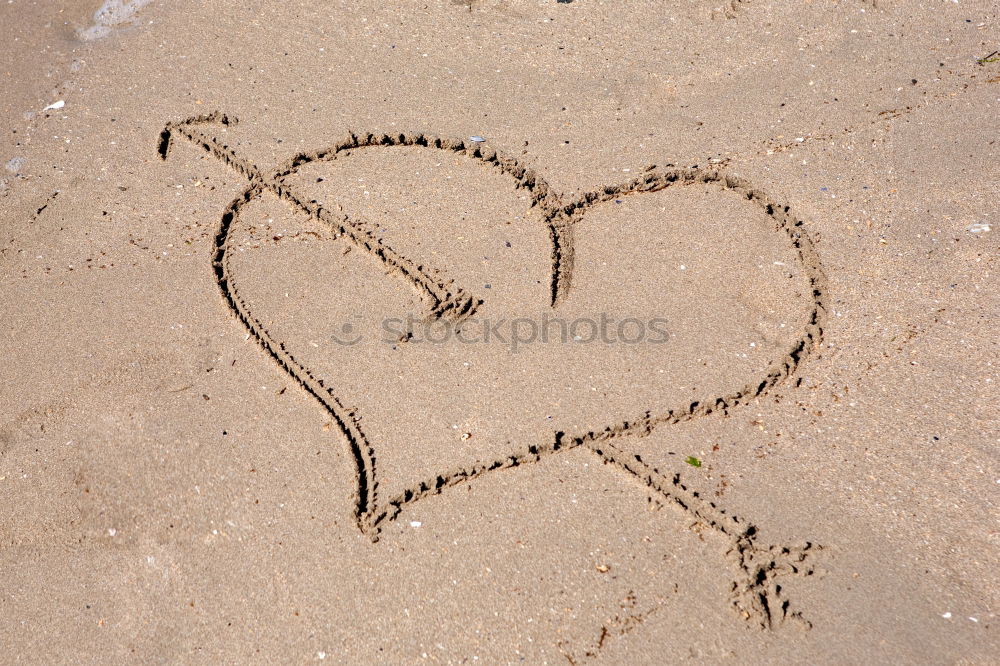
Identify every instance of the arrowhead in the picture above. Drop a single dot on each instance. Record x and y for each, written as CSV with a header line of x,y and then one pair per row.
x,y
166,136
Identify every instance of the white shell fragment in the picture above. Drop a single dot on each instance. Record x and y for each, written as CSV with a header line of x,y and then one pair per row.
x,y
55,105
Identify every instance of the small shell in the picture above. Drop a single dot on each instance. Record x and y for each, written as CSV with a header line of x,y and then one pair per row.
x,y
477,139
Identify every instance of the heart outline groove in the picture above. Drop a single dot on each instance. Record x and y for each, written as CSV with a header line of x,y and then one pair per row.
x,y
755,593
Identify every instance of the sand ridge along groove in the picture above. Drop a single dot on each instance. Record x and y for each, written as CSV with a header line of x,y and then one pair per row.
x,y
756,594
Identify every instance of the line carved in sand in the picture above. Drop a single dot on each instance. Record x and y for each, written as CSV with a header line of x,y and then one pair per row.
x,y
756,593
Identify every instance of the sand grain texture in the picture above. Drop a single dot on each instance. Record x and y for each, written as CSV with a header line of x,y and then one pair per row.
x,y
171,493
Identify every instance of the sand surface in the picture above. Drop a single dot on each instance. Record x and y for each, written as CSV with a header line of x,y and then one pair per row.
x,y
275,278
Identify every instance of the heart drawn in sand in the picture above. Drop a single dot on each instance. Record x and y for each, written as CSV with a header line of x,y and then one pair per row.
x,y
565,398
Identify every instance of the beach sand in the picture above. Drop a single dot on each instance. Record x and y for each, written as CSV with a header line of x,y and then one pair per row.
x,y
275,279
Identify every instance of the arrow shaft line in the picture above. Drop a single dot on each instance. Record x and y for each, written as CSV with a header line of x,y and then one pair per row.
x,y
453,304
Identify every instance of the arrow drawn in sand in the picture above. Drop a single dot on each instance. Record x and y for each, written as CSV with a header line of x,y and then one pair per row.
x,y
755,592
444,300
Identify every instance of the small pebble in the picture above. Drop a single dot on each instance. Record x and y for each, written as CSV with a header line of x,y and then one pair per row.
x,y
476,139
415,523
979,227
